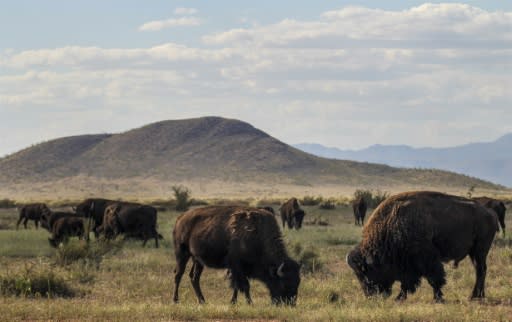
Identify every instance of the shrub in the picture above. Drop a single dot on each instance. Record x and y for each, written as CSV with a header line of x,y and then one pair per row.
x,y
373,199
311,200
88,254
182,196
308,258
35,282
7,203
327,205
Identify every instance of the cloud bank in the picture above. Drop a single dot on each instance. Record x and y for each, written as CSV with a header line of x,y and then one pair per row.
x,y
355,76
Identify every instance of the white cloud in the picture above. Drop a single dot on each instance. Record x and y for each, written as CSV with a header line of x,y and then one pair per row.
x,y
185,11
354,77
169,23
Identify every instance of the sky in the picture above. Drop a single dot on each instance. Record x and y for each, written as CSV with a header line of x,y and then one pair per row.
x,y
345,74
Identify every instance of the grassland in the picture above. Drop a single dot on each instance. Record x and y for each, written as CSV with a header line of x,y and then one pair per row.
x,y
135,283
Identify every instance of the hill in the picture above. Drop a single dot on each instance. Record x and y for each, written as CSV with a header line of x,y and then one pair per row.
x,y
213,155
487,160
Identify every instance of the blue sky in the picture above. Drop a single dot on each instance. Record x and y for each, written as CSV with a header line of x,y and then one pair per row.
x,y
341,73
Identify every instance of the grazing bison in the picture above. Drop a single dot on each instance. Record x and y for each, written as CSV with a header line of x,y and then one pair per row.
x,y
291,214
498,207
94,208
66,227
32,212
410,234
49,218
359,207
246,241
132,220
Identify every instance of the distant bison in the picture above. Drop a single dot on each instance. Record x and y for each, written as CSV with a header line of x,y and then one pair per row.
x,y
359,207
49,218
94,208
291,214
246,241
497,206
65,227
132,220
31,212
410,234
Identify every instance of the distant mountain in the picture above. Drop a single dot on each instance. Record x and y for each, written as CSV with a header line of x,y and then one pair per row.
x,y
489,160
213,152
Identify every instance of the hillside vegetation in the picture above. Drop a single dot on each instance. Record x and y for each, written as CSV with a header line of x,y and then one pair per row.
x,y
197,151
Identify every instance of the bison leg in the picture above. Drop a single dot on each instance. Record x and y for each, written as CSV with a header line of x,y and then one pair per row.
x,y
182,257
239,282
37,223
195,276
18,223
25,223
481,269
436,279
156,235
408,285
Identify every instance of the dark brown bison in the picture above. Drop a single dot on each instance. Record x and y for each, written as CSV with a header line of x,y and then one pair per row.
x,y
498,207
269,209
246,241
359,207
132,220
291,214
94,209
410,234
49,218
65,227
31,212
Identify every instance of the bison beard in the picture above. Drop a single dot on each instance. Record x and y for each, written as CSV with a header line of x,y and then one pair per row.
x,y
246,241
409,236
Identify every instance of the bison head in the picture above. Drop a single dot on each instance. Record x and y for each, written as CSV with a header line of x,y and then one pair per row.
x,y
372,276
284,282
298,217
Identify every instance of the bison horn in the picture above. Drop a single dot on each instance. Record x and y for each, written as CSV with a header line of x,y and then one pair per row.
x,y
73,208
280,270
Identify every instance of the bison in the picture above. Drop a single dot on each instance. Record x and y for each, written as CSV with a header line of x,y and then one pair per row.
x,y
132,220
49,218
411,234
291,214
94,208
66,227
31,212
269,209
359,206
246,241
498,207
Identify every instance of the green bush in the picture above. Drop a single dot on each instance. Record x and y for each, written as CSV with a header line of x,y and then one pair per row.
x,y
88,254
327,205
35,283
308,258
372,198
7,203
311,201
182,196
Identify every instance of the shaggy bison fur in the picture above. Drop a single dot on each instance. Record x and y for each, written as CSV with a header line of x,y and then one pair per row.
x,y
411,234
246,241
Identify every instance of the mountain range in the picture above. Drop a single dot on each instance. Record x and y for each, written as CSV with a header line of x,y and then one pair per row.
x,y
491,161
213,155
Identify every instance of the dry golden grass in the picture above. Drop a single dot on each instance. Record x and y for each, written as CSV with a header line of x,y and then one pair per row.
x,y
135,283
